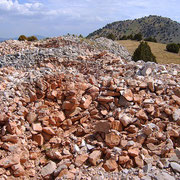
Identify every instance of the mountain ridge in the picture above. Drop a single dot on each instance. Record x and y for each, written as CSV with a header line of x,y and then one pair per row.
x,y
163,29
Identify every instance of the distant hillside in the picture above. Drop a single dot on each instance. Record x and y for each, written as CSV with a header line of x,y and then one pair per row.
x,y
163,29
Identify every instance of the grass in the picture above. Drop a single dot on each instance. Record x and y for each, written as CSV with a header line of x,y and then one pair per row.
x,y
158,49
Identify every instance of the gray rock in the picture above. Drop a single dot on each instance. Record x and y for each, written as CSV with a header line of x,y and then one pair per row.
x,y
48,169
175,166
146,178
164,176
59,169
176,115
147,168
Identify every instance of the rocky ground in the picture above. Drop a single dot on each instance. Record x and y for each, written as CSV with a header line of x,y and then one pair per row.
x,y
81,109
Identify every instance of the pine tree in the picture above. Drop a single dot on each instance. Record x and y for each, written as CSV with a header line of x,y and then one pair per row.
x,y
143,52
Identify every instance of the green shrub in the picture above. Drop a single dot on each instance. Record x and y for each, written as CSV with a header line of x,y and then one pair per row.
x,y
150,39
123,37
172,48
111,36
138,37
22,38
143,52
32,38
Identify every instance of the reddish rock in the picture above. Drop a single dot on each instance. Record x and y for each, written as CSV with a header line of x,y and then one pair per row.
x,y
10,138
31,117
81,159
48,169
128,95
139,162
110,165
48,130
125,120
116,125
39,139
176,98
10,160
142,115
18,170
102,126
106,99
112,140
86,101
94,157
66,174
37,127
133,152
123,159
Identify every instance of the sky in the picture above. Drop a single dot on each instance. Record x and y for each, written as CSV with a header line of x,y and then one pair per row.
x,y
59,17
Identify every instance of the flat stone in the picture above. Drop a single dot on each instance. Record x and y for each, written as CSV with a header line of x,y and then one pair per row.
x,y
94,157
175,166
110,165
9,161
112,140
125,120
48,169
102,126
81,159
164,176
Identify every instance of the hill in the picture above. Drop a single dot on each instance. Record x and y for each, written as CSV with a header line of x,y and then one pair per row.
x,y
163,29
158,49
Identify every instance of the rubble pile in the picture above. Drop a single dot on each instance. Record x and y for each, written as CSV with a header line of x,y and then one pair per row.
x,y
92,115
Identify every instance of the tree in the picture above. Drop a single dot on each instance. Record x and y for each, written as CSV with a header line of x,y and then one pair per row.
x,y
143,52
111,36
22,38
172,48
150,39
138,37
32,38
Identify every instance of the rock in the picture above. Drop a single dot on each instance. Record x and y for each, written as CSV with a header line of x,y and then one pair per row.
x,y
116,125
176,98
10,138
48,130
18,170
94,157
164,176
106,99
176,115
133,152
125,120
37,127
123,159
128,95
142,115
146,70
102,126
139,162
59,169
147,168
110,165
175,166
81,159
86,101
31,117
112,140
48,169
10,161
65,174
39,139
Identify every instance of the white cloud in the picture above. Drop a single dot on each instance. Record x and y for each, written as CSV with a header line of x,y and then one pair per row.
x,y
14,7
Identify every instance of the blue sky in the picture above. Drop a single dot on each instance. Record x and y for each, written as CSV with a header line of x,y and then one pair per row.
x,y
59,17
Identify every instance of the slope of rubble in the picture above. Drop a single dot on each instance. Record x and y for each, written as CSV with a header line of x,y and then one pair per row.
x,y
80,109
